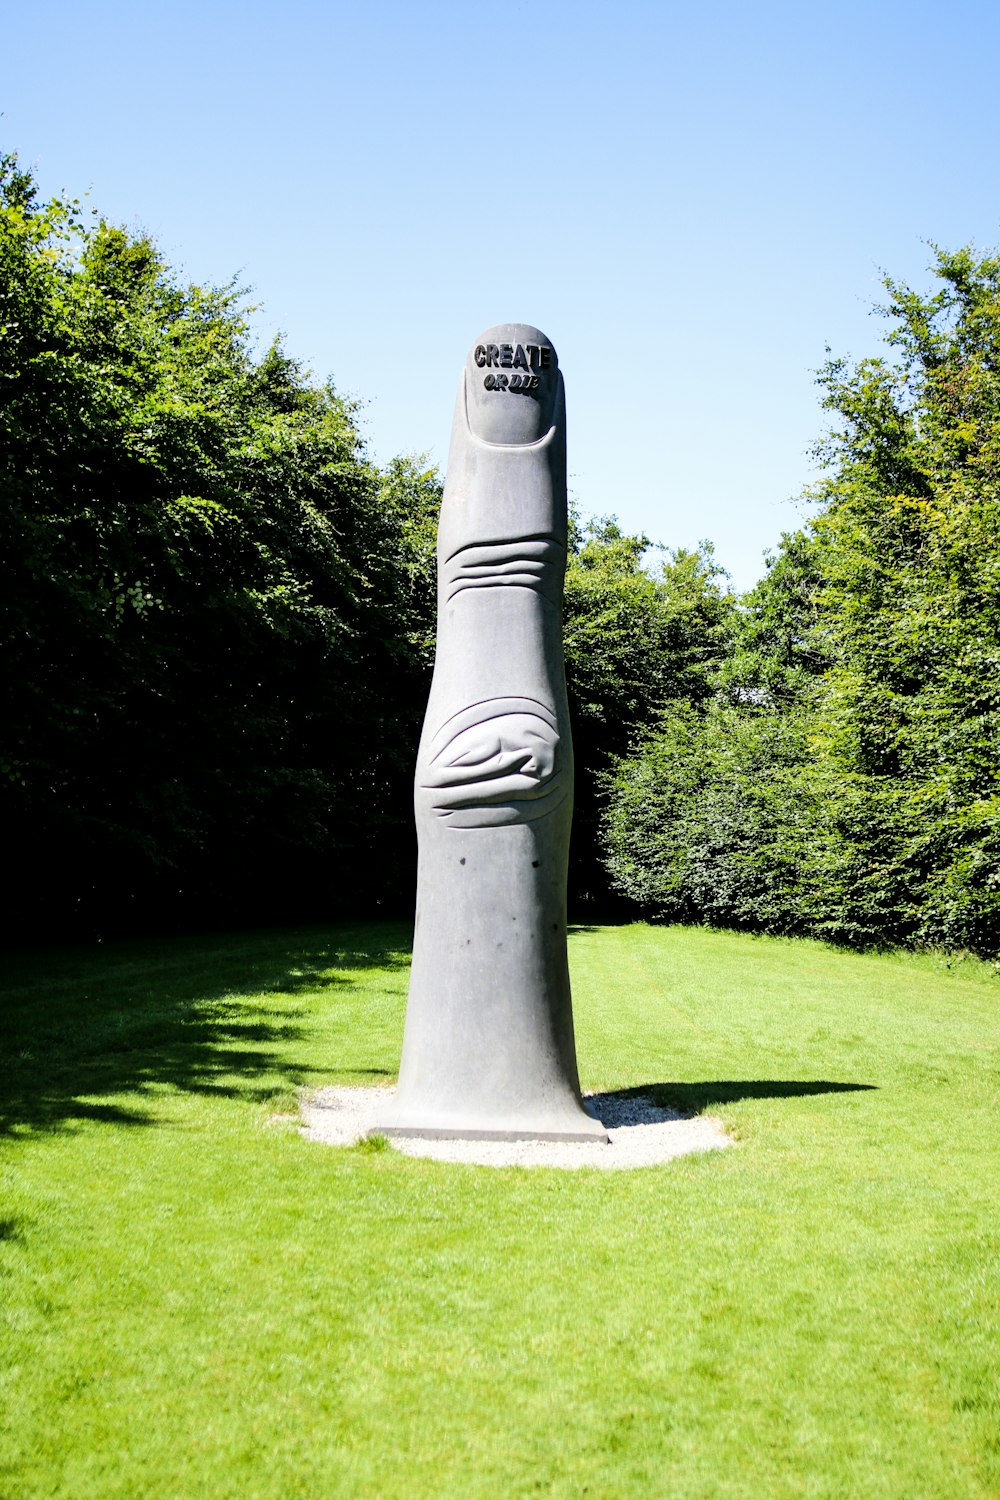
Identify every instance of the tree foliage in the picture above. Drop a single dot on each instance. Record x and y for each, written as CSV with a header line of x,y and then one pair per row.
x,y
217,612
846,767
217,621
636,638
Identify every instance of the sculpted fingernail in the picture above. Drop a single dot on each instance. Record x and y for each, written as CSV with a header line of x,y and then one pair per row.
x,y
511,385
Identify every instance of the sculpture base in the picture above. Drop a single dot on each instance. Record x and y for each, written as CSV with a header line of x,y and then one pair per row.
x,y
577,1128
441,1133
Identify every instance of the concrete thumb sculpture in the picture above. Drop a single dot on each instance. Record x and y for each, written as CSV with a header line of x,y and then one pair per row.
x,y
488,1049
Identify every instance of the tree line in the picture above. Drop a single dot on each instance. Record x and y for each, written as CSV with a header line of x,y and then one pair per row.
x,y
218,622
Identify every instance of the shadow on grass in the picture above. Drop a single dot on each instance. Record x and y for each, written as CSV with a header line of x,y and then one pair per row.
x,y
79,1026
693,1098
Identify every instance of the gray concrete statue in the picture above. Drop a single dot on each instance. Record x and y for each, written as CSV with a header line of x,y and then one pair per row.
x,y
488,1048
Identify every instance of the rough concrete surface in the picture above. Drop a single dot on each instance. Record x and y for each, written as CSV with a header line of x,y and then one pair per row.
x,y
488,1047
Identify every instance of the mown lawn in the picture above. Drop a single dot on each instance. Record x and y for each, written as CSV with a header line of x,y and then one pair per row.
x,y
199,1303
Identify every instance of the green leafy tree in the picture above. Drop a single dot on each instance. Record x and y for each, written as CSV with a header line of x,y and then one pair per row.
x,y
636,638
911,531
721,816
862,686
216,610
780,645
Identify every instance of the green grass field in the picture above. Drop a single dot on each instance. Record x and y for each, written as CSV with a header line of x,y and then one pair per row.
x,y
199,1303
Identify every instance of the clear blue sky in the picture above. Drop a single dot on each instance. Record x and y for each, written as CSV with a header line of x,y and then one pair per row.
x,y
691,201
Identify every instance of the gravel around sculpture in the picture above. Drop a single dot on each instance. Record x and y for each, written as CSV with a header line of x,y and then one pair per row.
x,y
639,1133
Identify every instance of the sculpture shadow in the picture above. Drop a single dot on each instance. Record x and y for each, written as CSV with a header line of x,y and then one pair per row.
x,y
691,1099
81,1026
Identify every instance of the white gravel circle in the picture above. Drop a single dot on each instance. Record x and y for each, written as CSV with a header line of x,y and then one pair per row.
x,y
642,1134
